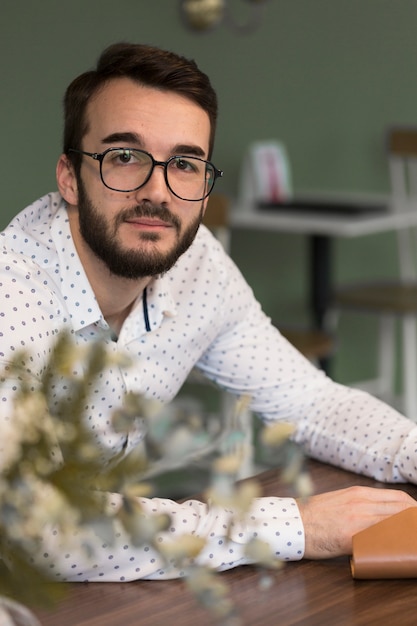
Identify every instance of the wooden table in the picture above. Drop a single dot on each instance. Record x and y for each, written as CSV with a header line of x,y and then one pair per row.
x,y
304,593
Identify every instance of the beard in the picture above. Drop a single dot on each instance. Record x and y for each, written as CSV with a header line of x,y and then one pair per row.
x,y
101,237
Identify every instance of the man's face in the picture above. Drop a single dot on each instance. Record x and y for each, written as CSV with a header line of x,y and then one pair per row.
x,y
142,233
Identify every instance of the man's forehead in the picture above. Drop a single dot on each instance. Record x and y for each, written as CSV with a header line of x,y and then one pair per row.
x,y
123,106
123,91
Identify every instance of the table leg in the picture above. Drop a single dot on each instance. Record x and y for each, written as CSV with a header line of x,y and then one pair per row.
x,y
320,283
321,279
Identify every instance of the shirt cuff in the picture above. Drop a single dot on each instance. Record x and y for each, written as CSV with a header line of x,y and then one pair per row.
x,y
275,521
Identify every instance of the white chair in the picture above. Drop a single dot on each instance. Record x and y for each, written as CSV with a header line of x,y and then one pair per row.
x,y
394,301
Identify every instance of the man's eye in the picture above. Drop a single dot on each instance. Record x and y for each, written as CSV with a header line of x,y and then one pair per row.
x,y
117,157
185,165
125,156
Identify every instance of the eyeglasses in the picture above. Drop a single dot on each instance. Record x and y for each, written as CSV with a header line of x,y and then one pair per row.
x,y
128,169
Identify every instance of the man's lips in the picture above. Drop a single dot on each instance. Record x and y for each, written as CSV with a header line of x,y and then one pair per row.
x,y
148,222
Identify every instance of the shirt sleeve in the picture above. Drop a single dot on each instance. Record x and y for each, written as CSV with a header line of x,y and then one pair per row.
x,y
85,556
334,423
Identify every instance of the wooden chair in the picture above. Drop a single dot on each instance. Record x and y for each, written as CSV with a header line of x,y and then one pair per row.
x,y
395,300
316,345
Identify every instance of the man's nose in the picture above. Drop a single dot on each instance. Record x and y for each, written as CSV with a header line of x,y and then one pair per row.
x,y
155,189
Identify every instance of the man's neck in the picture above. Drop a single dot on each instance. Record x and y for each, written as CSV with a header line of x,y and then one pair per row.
x,y
117,298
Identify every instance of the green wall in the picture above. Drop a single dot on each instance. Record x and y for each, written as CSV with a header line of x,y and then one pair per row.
x,y
324,76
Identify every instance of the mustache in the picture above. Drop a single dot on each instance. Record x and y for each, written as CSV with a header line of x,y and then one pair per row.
x,y
148,210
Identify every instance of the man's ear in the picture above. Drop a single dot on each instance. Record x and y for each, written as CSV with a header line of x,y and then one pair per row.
x,y
66,180
204,205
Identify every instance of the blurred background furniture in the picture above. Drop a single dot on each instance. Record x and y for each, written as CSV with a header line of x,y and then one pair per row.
x,y
395,301
320,216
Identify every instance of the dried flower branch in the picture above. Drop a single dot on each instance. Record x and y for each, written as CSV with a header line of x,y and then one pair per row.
x,y
53,473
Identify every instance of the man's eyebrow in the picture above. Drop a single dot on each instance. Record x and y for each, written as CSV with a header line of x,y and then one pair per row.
x,y
134,139
123,138
189,149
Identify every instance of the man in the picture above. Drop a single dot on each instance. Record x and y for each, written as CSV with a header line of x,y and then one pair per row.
x,y
119,255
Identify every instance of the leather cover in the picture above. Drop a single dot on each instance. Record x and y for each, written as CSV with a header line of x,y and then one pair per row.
x,y
387,549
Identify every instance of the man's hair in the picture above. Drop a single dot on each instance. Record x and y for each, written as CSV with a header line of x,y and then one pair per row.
x,y
146,65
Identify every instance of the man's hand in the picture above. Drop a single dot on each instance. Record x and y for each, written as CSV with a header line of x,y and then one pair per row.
x,y
331,519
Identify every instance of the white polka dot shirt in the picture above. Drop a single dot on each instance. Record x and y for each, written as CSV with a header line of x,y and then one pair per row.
x,y
201,314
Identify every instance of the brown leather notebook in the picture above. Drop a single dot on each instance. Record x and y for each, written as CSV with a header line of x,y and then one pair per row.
x,y
387,549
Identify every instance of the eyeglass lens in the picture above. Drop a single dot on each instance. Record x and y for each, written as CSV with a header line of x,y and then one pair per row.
x,y
189,178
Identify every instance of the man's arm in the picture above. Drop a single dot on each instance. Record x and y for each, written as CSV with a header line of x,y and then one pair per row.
x,y
334,423
85,556
330,520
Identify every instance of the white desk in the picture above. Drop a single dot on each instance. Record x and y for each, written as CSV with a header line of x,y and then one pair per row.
x,y
326,223
323,225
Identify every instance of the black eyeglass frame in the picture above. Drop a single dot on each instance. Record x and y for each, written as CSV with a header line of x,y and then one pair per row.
x,y
99,156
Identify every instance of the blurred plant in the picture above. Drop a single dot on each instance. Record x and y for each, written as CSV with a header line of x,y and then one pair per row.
x,y
53,473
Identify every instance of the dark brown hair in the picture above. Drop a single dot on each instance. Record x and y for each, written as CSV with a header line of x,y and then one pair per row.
x,y
147,65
